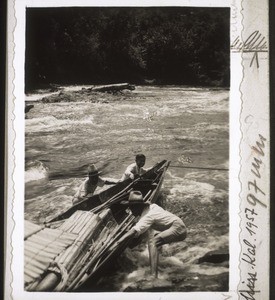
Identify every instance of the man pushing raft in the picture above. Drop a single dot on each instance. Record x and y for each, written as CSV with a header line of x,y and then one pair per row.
x,y
169,228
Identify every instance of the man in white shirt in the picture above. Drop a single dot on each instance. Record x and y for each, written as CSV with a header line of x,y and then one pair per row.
x,y
135,169
169,227
89,185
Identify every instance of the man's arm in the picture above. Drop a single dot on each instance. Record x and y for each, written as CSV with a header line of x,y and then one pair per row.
x,y
143,224
144,170
79,194
110,181
128,173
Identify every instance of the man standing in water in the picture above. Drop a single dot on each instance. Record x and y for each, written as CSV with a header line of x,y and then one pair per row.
x,y
169,228
90,184
135,169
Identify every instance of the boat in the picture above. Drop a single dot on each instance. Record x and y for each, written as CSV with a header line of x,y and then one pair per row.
x,y
76,246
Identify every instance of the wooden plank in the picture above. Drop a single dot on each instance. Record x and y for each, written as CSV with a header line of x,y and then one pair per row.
x,y
113,87
51,234
31,286
27,278
34,268
30,228
38,239
52,249
60,242
69,223
72,253
29,258
28,285
37,266
30,252
55,225
81,222
44,259
68,237
32,246
76,221
68,255
88,230
46,254
31,273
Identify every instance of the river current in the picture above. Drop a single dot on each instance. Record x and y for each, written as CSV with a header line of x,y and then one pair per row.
x,y
187,126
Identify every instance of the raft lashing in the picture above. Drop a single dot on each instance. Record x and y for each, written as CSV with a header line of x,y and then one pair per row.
x,y
75,246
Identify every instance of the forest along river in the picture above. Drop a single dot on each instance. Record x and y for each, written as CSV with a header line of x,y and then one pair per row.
x,y
173,123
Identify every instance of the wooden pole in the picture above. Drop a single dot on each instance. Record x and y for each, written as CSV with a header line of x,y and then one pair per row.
x,y
48,283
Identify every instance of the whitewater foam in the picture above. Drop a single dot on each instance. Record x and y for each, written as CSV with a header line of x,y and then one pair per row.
x,y
50,123
193,187
36,172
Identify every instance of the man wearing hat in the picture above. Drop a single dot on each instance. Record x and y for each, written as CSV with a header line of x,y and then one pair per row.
x,y
88,187
169,227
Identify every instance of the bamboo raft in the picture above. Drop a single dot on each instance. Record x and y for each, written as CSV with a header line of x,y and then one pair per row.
x,y
77,245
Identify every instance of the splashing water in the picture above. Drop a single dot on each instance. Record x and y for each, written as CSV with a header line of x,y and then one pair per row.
x,y
36,171
164,123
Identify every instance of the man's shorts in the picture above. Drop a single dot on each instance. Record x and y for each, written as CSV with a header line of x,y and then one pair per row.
x,y
176,233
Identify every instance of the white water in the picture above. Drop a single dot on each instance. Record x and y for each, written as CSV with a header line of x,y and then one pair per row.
x,y
164,123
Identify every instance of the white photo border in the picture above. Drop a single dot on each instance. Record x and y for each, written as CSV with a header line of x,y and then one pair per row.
x,y
242,139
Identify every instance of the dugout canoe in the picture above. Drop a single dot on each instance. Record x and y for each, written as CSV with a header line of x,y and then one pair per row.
x,y
78,245
142,184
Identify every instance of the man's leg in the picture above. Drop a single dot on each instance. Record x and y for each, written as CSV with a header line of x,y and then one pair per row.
x,y
153,253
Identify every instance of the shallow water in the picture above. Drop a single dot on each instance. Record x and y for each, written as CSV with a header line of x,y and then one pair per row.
x,y
187,126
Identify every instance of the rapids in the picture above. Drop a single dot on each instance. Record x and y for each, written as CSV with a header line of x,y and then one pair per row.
x,y
188,126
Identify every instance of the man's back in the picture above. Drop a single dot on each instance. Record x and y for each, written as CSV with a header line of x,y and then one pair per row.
x,y
157,218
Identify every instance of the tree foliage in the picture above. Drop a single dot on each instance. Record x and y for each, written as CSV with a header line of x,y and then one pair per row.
x,y
172,45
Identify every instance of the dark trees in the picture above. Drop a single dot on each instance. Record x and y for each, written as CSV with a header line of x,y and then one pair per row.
x,y
172,45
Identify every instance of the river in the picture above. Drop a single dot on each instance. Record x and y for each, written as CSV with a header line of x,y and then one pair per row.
x,y
187,126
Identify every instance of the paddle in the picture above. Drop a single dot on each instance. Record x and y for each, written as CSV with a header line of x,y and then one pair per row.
x,y
200,168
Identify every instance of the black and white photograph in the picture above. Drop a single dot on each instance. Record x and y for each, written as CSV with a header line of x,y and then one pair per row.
x,y
126,164
137,155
